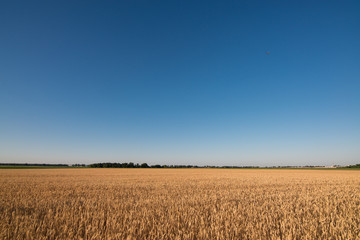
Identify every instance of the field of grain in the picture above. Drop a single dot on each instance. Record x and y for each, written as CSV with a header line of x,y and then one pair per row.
x,y
179,204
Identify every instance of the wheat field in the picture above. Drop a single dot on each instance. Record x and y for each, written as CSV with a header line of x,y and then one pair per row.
x,y
179,204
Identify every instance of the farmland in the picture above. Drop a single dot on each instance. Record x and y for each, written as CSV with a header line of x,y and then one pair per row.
x,y
179,204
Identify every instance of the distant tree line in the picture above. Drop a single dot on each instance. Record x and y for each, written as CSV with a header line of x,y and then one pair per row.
x,y
118,165
34,164
145,165
78,165
353,166
306,166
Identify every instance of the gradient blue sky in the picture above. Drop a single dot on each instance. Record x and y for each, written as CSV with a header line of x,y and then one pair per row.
x,y
180,82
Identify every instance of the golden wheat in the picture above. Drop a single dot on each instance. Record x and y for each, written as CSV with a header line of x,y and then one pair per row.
x,y
179,204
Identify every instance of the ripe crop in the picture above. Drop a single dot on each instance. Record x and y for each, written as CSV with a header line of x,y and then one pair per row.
x,y
179,204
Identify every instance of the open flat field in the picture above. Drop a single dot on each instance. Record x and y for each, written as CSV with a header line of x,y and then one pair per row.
x,y
179,204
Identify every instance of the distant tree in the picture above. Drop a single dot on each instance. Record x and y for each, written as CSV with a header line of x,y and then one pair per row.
x,y
354,166
156,166
144,165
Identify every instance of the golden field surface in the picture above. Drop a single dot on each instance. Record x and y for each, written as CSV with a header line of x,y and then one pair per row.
x,y
179,204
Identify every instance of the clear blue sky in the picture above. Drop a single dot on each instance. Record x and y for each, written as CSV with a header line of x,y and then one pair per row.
x,y
180,82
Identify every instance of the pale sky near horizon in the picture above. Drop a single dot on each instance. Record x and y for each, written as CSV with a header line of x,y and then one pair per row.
x,y
180,82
